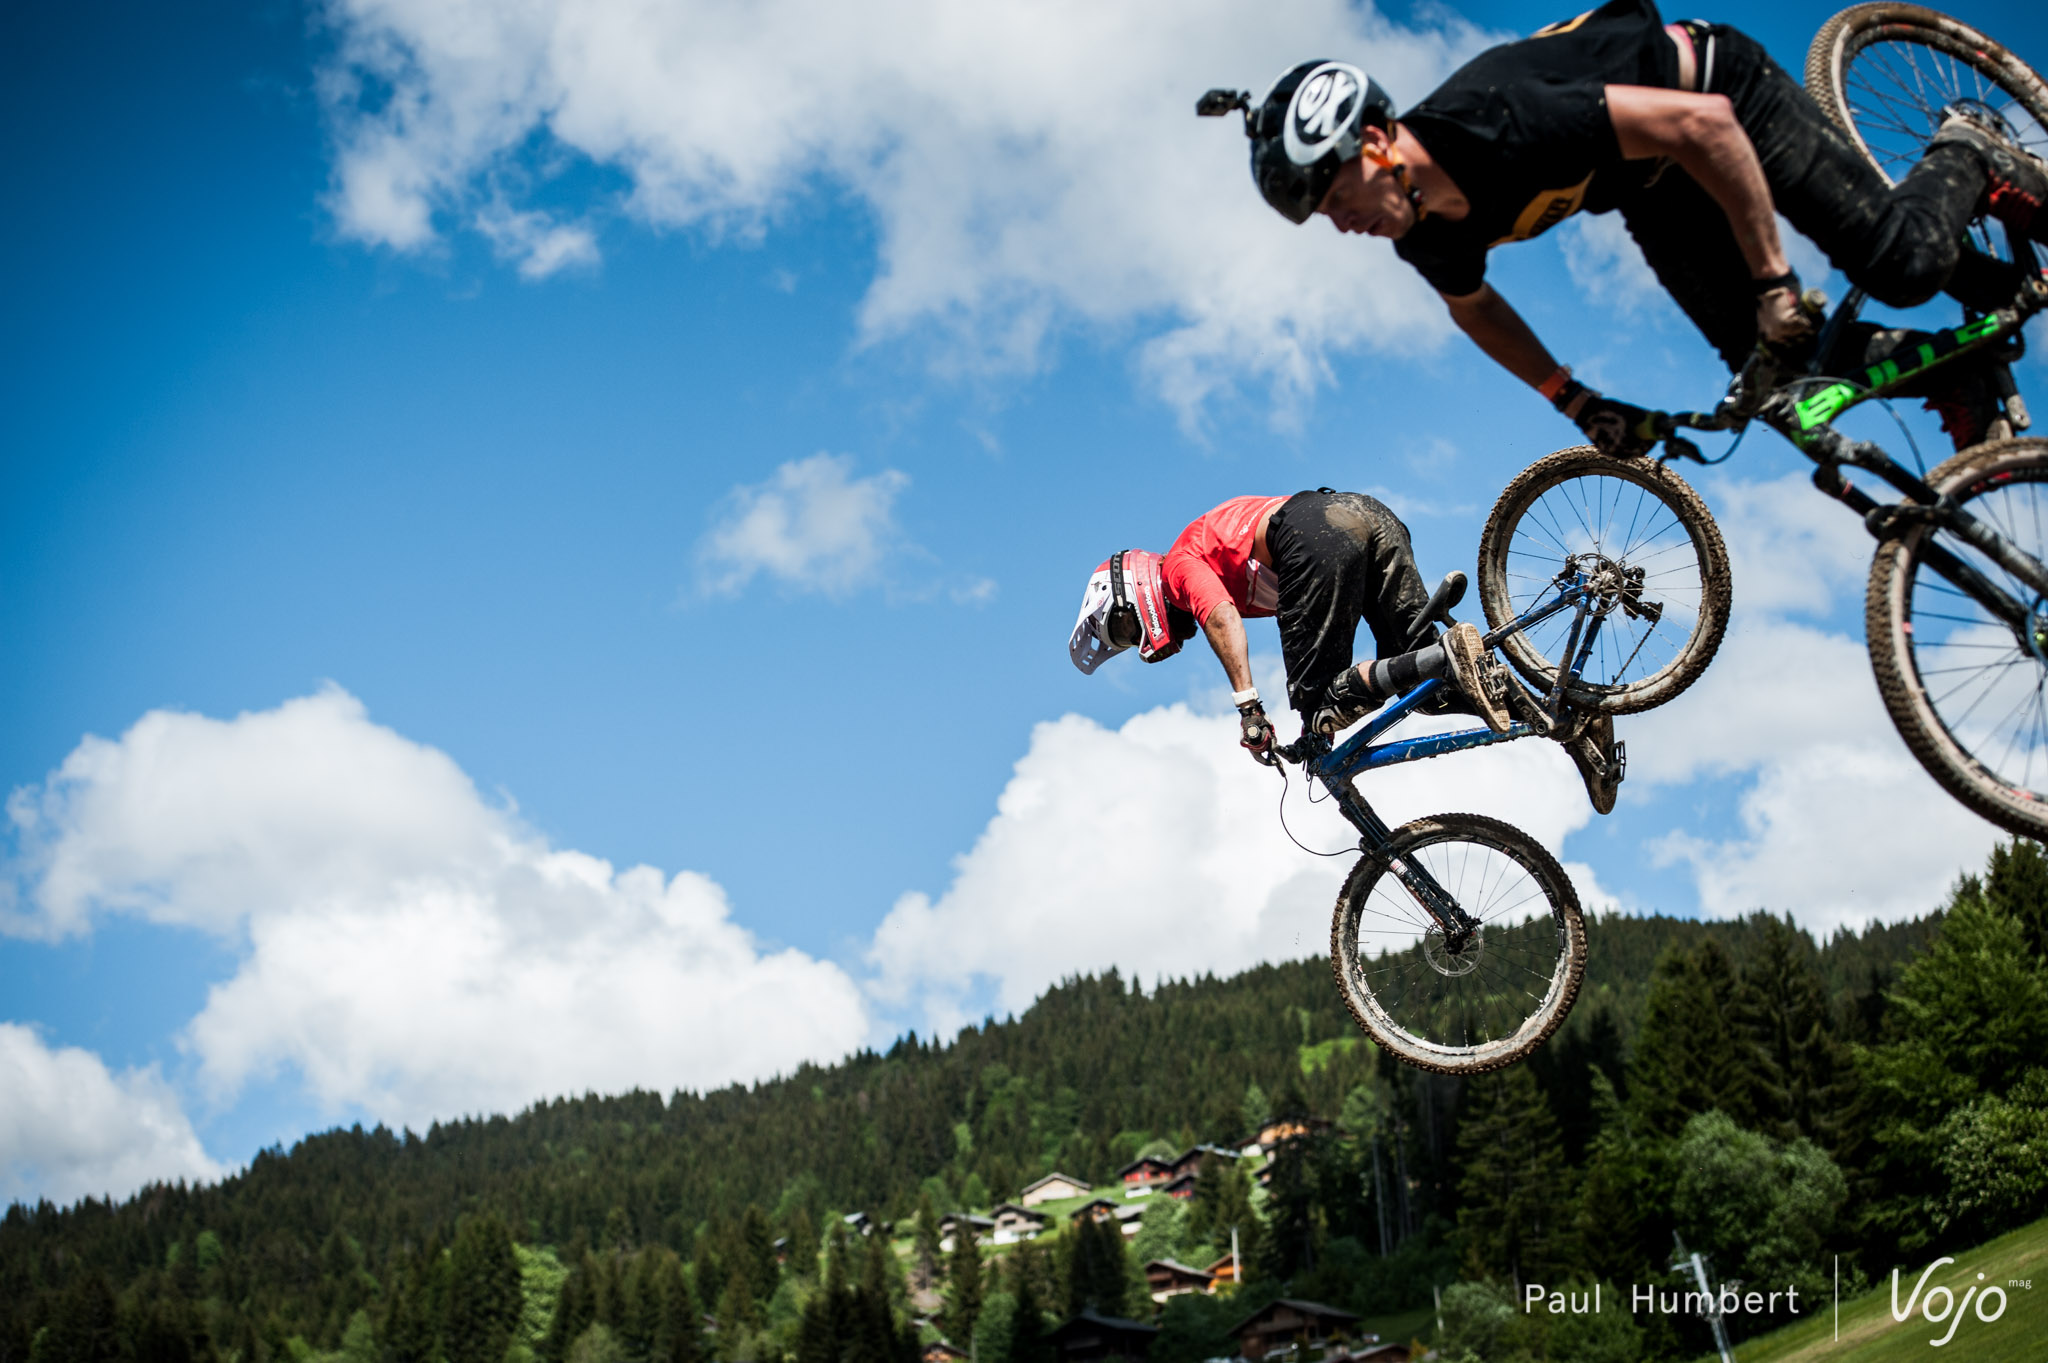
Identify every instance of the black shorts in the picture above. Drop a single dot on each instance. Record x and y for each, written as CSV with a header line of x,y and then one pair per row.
x,y
1901,244
1341,557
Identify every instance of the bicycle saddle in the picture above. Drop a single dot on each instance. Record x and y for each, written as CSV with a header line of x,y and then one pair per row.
x,y
1448,593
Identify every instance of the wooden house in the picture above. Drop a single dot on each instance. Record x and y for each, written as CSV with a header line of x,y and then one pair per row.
x,y
1142,1175
1095,1209
1182,1188
1052,1188
1089,1337
1170,1278
980,1227
939,1351
1278,1326
1013,1222
1224,1271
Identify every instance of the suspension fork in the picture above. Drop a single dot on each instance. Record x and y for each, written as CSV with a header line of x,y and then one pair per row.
x,y
1373,839
1885,520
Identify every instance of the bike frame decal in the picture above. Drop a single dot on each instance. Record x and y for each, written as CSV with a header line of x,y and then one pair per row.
x,y
1831,401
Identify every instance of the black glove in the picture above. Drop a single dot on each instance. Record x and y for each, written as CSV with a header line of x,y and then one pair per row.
x,y
1616,427
1256,731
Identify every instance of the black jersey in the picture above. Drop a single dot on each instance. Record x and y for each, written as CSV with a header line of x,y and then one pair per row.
x,y
1523,130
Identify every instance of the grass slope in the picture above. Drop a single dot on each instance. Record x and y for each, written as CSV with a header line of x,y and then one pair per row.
x,y
1869,1334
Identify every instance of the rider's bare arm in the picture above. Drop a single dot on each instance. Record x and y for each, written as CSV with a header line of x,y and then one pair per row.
x,y
1701,134
1494,325
1225,628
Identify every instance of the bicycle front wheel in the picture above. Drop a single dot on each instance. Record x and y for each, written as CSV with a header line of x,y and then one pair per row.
x,y
1967,691
1638,532
1887,75
1498,996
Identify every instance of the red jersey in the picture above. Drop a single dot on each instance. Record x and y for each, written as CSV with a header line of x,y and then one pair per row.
x,y
1212,562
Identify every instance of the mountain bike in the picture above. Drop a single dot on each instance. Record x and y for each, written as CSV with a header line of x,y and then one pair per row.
x,y
1956,608
1458,942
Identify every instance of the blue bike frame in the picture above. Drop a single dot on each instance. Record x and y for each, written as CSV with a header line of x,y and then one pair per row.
x,y
1335,766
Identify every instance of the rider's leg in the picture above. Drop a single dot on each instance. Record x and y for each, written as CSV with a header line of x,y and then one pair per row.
x,y
1342,557
1900,243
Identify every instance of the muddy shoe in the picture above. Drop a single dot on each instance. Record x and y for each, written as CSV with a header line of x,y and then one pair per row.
x,y
1601,762
2017,184
1475,674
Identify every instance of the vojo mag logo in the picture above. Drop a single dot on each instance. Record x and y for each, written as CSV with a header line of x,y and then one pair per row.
x,y
1324,113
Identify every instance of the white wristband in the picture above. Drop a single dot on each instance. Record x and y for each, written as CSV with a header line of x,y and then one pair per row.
x,y
1244,697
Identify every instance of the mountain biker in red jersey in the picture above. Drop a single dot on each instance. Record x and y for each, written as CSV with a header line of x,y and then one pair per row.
x,y
1694,135
1320,562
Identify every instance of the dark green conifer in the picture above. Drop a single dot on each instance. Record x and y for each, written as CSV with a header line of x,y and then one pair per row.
x,y
1689,1055
1516,1210
484,1299
963,1283
410,1332
86,1327
924,1252
679,1340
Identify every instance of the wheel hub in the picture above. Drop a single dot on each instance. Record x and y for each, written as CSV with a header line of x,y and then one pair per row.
x,y
1448,957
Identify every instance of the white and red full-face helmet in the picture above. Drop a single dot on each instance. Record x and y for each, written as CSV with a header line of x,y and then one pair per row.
x,y
1124,607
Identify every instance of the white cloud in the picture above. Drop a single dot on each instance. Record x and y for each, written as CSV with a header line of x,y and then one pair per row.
x,y
1028,164
409,949
1155,848
1608,266
1838,824
540,245
70,1129
813,526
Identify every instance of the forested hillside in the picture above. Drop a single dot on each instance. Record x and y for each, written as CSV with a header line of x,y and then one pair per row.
x,y
1714,1079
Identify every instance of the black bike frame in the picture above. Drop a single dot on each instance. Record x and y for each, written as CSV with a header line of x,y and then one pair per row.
x,y
1808,423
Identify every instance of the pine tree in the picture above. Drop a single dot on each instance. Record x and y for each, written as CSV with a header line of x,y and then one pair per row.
x,y
1689,1057
963,1282
1800,1079
1027,1323
642,1315
484,1299
575,1312
874,1324
85,1328
1610,1224
411,1333
757,1247
924,1254
1516,1208
1098,1272
679,1339
1294,1229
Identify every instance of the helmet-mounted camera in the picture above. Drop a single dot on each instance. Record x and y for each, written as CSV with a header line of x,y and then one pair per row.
x,y
1310,122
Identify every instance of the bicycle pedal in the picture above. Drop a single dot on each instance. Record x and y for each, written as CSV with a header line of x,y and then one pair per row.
x,y
1620,761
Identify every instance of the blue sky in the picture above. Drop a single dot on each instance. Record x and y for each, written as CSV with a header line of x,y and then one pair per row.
x,y
423,391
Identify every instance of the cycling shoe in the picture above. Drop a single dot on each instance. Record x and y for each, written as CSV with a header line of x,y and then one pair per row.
x,y
1475,673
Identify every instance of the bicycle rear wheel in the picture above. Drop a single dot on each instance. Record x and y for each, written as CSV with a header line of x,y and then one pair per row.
x,y
1614,517
1967,693
1495,1000
1885,73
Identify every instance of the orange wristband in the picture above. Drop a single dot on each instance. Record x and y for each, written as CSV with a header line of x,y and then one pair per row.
x,y
1554,385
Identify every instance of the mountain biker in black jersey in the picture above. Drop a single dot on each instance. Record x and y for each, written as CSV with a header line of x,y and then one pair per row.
x,y
1694,135
1320,562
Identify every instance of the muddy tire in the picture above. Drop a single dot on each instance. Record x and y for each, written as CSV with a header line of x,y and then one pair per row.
x,y
1883,73
1633,513
1968,693
1502,995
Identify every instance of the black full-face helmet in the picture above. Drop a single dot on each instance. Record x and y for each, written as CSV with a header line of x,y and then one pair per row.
x,y
1307,125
